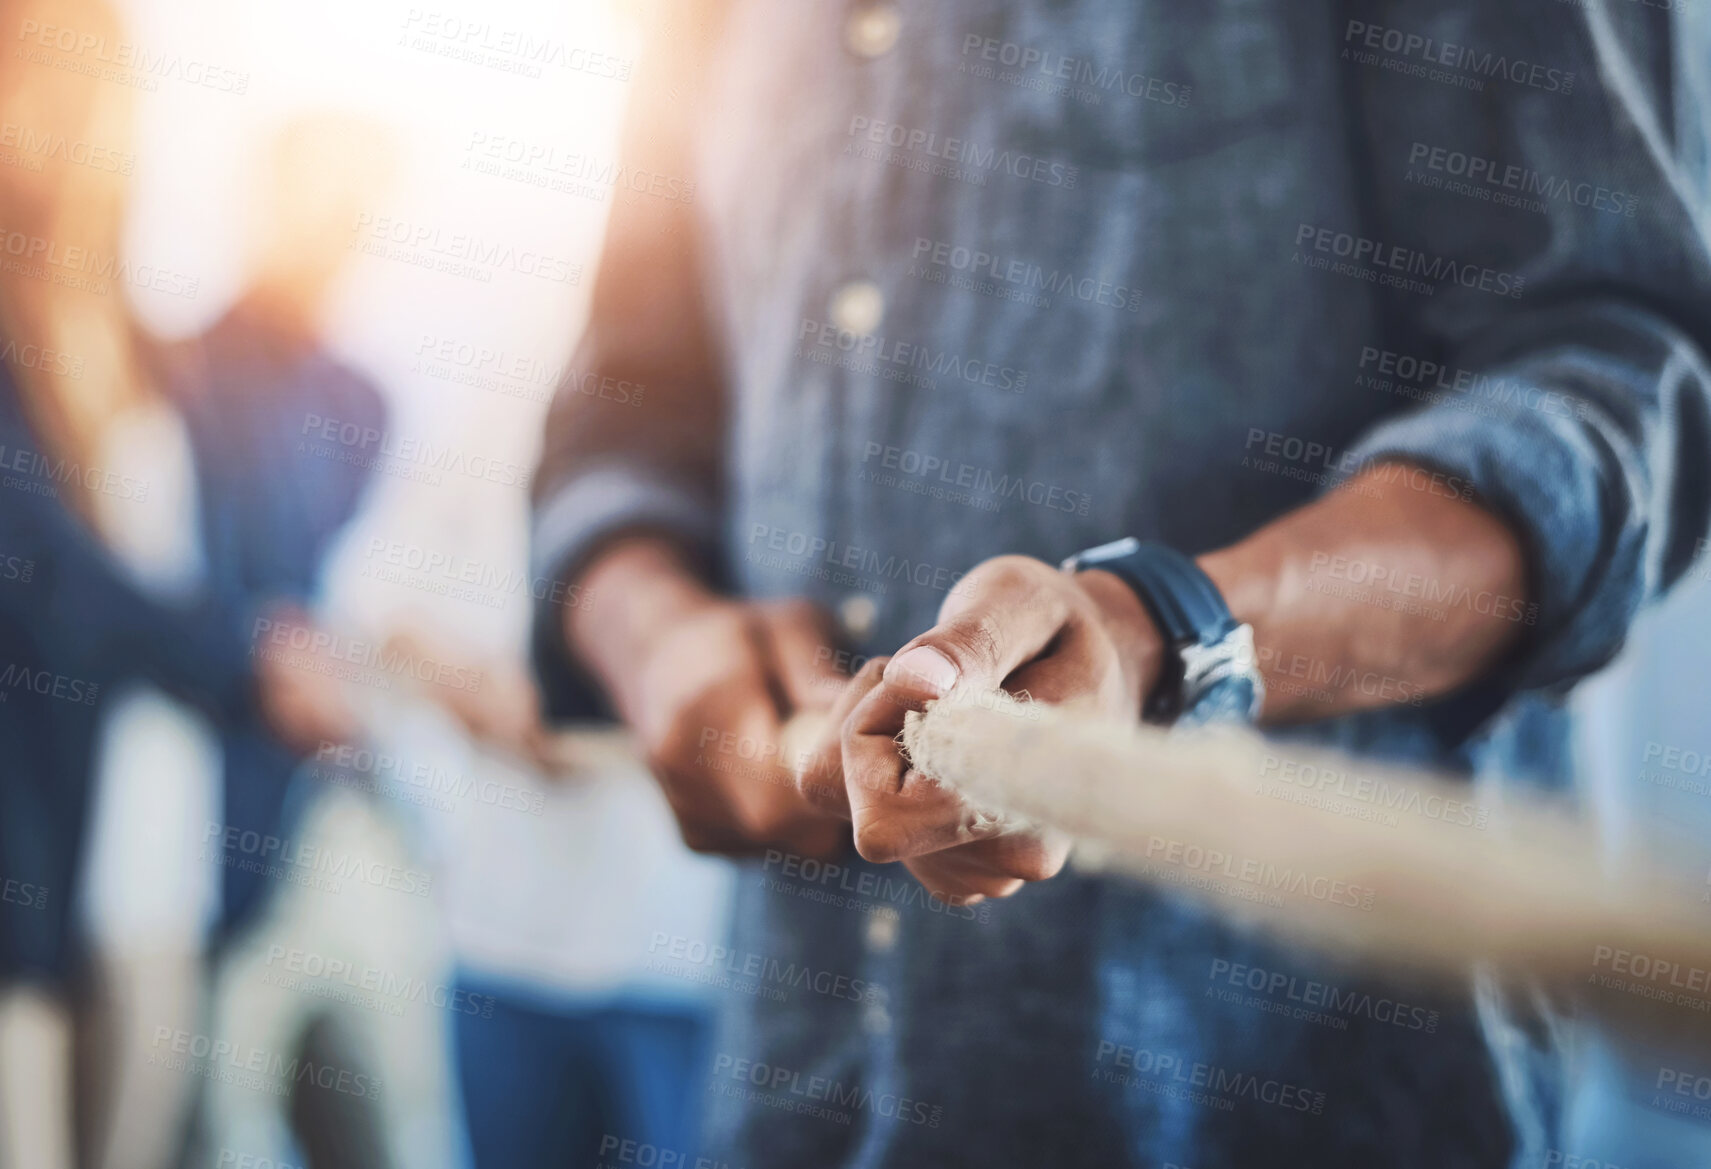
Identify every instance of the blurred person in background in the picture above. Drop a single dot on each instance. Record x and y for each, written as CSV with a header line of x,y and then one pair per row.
x,y
585,929
248,389
119,588
803,331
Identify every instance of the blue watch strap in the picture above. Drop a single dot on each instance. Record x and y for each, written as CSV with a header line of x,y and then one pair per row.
x,y
1179,597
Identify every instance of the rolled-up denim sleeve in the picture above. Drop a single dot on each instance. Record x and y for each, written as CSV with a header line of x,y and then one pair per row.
x,y
602,501
635,435
1577,405
1597,456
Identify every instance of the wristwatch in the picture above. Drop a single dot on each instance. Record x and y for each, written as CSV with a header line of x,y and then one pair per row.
x,y
1211,672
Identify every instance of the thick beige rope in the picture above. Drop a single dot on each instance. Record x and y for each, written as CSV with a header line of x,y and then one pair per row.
x,y
1399,869
1387,871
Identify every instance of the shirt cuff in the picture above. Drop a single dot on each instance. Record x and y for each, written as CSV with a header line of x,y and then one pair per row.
x,y
597,504
569,525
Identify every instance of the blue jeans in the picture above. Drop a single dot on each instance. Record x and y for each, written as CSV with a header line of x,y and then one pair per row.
x,y
551,1085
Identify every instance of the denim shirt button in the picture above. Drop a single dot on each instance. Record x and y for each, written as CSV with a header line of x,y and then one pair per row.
x,y
857,614
858,307
881,935
876,1019
872,29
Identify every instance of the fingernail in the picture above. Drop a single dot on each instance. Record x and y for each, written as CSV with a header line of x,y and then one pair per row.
x,y
923,667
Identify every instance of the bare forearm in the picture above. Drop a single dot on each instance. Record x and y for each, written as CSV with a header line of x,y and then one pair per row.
x,y
1388,590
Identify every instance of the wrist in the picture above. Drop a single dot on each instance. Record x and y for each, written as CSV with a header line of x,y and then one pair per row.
x,y
1206,667
656,588
1246,576
1139,645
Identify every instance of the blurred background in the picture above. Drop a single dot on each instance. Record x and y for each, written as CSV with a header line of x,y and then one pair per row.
x,y
286,289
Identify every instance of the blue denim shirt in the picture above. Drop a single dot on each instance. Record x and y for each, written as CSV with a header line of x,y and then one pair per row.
x,y
969,278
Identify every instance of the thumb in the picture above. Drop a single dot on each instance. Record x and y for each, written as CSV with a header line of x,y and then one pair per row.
x,y
1005,613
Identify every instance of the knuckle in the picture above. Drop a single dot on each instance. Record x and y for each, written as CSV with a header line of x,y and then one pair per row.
x,y
974,640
